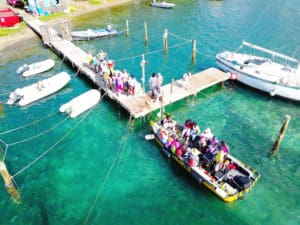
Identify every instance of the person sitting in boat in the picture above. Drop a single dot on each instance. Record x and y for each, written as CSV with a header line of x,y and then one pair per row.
x,y
212,148
163,136
187,128
224,147
219,160
168,123
194,131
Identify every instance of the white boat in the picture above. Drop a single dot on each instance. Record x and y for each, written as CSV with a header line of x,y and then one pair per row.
x,y
162,4
277,78
81,103
36,68
94,33
39,90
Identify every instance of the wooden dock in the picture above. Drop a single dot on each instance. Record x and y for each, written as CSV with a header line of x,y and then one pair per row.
x,y
140,104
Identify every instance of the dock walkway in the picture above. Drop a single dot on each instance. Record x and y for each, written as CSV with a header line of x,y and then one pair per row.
x,y
140,104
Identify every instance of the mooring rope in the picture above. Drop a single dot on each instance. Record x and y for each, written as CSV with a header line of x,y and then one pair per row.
x,y
121,147
258,20
52,147
177,36
29,124
152,52
40,134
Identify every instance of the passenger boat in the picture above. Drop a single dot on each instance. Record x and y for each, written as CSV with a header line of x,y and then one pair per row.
x,y
81,103
162,4
230,182
39,90
36,68
280,78
94,33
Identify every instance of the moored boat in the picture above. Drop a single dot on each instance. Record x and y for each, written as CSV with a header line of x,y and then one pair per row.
x,y
81,103
280,78
162,4
94,33
229,178
36,68
39,90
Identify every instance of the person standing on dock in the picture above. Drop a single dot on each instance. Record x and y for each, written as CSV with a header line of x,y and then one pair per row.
x,y
152,84
159,81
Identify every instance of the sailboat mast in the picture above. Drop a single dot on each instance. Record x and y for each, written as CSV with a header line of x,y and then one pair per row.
x,y
270,52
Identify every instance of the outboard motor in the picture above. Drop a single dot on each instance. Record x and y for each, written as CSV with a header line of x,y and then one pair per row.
x,y
109,27
22,69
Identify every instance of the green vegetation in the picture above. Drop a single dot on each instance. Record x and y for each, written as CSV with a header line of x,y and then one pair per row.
x,y
95,2
5,31
52,16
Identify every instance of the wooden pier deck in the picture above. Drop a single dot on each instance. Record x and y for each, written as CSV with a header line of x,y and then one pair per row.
x,y
140,104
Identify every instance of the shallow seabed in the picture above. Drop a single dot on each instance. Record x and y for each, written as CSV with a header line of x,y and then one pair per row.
x,y
94,170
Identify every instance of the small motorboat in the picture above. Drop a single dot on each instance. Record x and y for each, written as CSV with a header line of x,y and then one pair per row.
x,y
36,68
94,33
39,90
162,4
230,181
81,103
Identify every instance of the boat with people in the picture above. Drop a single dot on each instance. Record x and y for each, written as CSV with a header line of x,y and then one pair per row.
x,y
89,34
278,78
81,103
26,95
162,4
204,158
36,68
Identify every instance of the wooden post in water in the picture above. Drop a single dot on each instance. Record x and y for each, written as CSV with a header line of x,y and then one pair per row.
x,y
281,134
166,40
146,33
143,63
194,51
127,29
9,183
1,109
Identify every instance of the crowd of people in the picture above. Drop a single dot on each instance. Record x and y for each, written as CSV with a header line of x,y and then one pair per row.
x,y
193,144
120,82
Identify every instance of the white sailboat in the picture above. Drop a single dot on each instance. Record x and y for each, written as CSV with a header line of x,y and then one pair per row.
x,y
266,74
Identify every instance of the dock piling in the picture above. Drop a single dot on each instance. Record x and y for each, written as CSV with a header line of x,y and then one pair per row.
x,y
284,126
127,29
146,33
194,51
166,40
9,183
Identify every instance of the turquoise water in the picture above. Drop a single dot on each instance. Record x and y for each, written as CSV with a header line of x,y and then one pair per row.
x,y
94,169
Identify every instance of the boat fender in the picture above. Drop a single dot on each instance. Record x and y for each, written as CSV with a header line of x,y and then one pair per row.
x,y
272,93
233,76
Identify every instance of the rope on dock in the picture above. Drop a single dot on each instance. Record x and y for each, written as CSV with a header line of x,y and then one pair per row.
x,y
120,149
29,124
53,146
